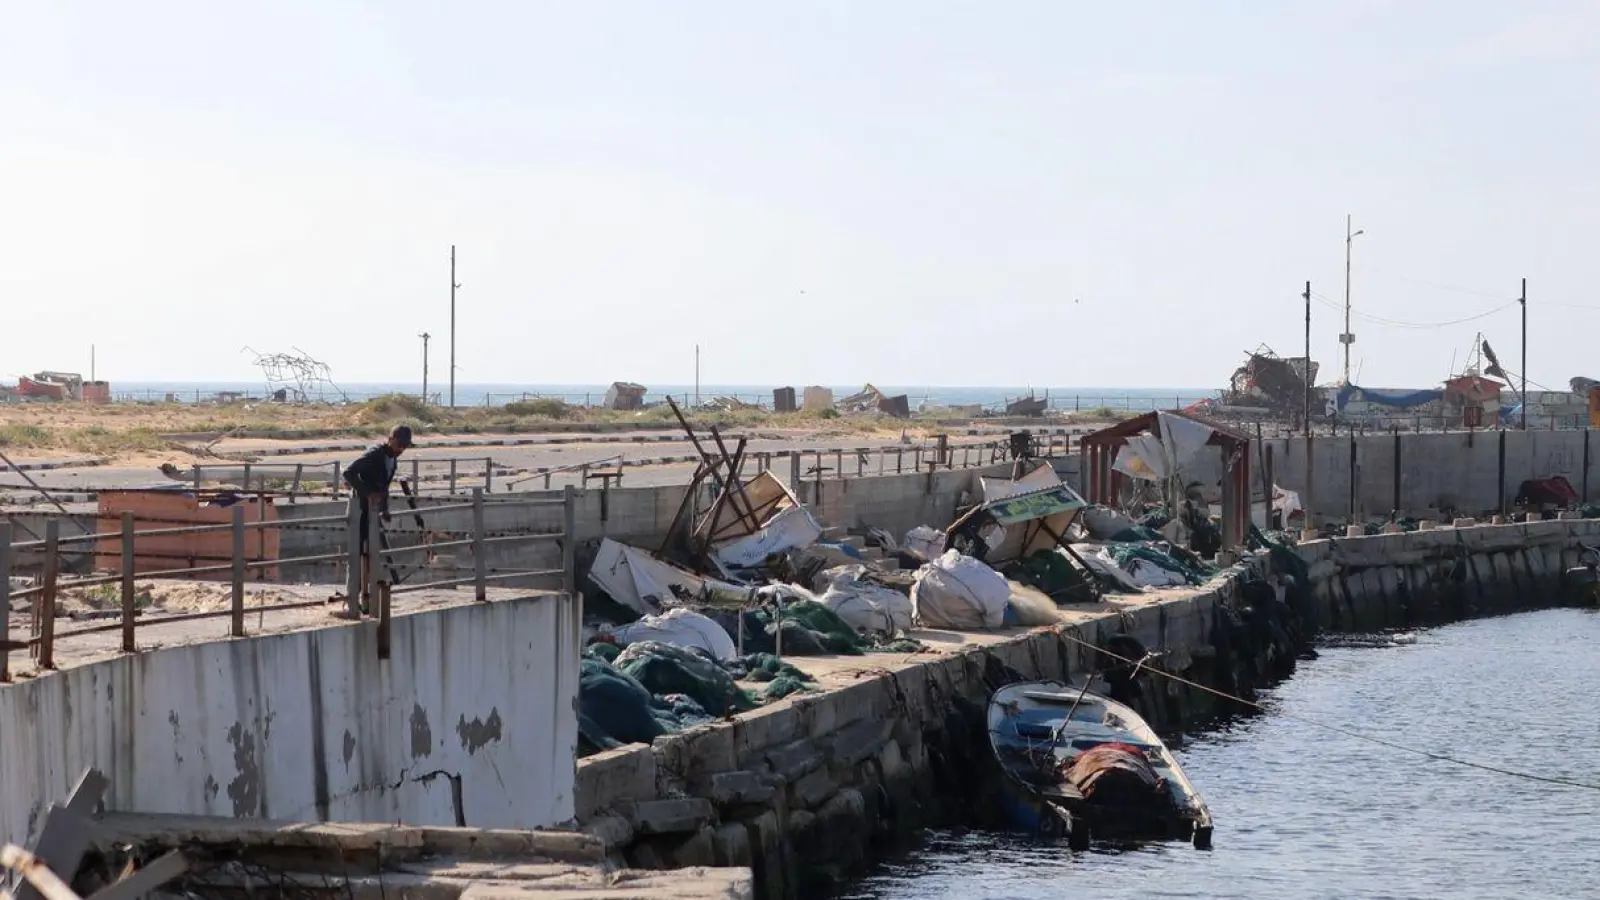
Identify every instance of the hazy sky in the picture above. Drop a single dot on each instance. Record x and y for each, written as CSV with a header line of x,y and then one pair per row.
x,y
908,192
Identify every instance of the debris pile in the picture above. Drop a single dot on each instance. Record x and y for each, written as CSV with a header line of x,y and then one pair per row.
x,y
699,627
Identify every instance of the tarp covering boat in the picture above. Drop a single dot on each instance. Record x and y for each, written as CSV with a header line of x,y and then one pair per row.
x,y
1116,773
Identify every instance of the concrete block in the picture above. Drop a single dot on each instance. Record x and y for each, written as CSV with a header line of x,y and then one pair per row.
x,y
675,816
611,776
696,851
1355,531
1394,528
811,790
859,741
706,749
511,843
765,832
739,787
1464,523
730,845
1427,525
794,760
763,728
611,830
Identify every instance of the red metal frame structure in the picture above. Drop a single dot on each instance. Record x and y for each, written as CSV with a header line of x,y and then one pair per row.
x,y
1102,484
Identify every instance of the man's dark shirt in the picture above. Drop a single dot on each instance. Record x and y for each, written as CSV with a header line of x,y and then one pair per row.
x,y
371,475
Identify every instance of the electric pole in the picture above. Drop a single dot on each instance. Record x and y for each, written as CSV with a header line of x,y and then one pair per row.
x,y
697,375
1310,457
1524,301
453,287
425,337
1347,338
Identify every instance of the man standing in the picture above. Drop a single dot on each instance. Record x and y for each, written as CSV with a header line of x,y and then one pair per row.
x,y
369,478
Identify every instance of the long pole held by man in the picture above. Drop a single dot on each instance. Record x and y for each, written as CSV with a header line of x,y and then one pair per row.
x,y
369,479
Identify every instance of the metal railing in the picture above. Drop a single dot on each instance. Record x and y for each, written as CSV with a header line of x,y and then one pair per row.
x,y
370,557
462,474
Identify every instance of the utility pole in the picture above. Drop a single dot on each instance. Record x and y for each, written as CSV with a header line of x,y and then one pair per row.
x,y
453,287
697,375
425,337
1311,481
1347,338
1524,301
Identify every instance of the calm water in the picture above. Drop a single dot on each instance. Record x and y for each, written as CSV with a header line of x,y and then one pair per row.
x,y
1306,813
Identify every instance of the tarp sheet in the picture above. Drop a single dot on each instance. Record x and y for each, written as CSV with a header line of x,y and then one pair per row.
x,y
639,581
1396,399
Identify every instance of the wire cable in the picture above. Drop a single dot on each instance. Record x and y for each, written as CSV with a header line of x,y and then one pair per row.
x,y
1438,757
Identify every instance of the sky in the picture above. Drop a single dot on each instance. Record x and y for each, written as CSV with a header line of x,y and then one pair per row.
x,y
901,191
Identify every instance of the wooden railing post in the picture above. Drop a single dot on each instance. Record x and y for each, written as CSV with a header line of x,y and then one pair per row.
x,y
336,479
480,565
569,541
452,476
352,578
488,474
47,600
128,645
5,599
237,629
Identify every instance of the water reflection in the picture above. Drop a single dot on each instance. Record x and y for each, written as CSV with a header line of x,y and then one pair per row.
x,y
1303,812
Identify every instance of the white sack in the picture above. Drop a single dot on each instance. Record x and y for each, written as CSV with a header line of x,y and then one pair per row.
x,y
956,591
924,543
681,628
866,607
1153,575
1103,523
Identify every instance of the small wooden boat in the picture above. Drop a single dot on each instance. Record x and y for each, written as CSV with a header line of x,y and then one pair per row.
x,y
1080,765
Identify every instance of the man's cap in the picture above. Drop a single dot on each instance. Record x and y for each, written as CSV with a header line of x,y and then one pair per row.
x,y
401,435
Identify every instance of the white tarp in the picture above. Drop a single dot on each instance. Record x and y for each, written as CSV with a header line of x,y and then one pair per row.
x,y
794,527
1142,457
1151,457
1100,560
1183,439
1001,488
956,591
681,628
638,580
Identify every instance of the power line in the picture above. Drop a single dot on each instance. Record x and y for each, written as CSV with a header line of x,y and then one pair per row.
x,y
1439,757
1395,323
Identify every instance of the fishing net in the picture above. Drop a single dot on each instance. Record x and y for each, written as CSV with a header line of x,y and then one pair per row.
x,y
664,669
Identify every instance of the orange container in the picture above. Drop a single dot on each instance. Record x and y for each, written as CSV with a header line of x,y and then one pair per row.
x,y
171,509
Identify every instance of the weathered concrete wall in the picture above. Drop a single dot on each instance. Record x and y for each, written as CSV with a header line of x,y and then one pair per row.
x,y
1442,575
470,721
1460,470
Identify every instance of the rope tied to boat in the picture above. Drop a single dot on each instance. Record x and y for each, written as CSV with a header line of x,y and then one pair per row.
x,y
1348,732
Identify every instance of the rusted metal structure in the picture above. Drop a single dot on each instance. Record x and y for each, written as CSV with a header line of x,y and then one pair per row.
x,y
1103,484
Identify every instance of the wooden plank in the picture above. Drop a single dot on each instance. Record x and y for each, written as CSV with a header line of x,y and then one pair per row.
x,y
153,875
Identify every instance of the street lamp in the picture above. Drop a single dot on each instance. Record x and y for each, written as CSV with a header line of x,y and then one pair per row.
x,y
424,337
1347,338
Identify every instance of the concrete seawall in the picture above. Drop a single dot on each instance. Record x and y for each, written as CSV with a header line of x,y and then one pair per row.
x,y
807,790
311,724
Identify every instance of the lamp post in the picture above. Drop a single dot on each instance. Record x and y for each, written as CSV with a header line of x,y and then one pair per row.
x,y
1347,338
424,337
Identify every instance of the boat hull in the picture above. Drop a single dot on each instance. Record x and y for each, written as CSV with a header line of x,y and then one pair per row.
x,y
1128,789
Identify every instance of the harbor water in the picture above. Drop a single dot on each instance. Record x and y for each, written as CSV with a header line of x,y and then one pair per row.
x,y
1306,812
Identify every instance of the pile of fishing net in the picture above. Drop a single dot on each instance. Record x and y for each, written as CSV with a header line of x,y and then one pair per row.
x,y
615,709
809,629
1184,565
